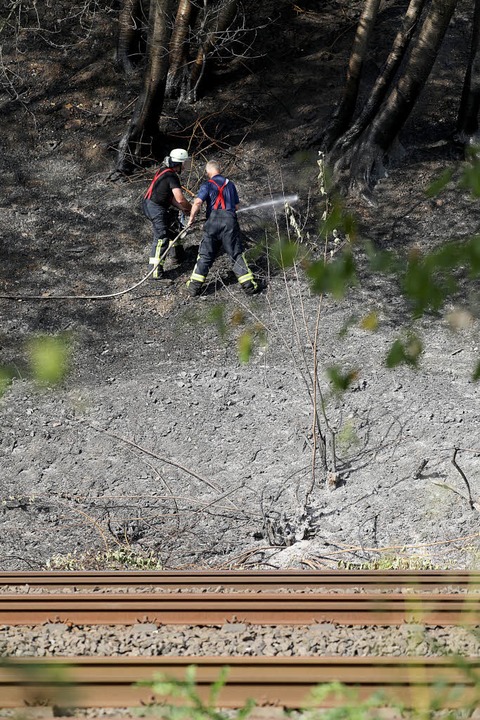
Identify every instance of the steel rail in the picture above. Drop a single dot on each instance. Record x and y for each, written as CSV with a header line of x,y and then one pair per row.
x,y
242,580
111,682
217,609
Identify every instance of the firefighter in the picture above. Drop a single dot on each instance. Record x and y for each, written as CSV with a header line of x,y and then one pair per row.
x,y
221,230
161,203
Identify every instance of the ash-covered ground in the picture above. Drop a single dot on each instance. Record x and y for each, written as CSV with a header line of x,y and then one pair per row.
x,y
160,442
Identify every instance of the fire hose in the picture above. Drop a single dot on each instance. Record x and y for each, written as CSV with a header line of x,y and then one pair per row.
x,y
272,202
162,257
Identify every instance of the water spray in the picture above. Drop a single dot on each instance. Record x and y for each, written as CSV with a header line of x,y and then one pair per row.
x,y
283,200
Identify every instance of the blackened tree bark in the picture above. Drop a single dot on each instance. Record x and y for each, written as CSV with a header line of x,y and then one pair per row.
x,y
198,33
182,35
179,48
384,80
128,31
362,162
467,125
143,131
215,32
346,108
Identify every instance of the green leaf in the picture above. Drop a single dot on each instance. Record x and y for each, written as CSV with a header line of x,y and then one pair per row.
x,y
370,322
350,322
440,183
383,261
333,221
333,277
285,253
217,317
471,178
341,381
472,256
423,286
217,686
245,346
406,352
49,358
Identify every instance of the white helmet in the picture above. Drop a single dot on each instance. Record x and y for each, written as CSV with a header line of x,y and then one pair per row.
x,y
178,156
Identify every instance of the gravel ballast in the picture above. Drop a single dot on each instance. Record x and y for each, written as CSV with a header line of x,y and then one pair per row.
x,y
326,639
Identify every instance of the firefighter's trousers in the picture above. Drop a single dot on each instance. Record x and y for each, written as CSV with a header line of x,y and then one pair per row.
x,y
221,230
164,227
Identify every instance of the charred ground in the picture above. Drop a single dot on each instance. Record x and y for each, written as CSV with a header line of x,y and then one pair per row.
x,y
159,439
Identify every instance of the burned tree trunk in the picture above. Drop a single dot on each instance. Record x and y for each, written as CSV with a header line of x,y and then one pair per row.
x,y
363,162
143,130
178,49
344,113
467,124
385,79
128,30
224,18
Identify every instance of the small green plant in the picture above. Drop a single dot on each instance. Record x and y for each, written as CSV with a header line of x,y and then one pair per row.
x,y
189,703
392,562
249,334
119,558
348,704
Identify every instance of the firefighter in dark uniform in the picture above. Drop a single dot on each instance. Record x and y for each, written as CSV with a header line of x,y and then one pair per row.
x,y
161,203
221,230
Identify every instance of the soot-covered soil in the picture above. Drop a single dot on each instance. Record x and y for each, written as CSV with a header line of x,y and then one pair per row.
x,y
159,439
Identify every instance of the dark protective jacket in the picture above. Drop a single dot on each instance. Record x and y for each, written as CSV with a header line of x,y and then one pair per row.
x,y
161,188
219,193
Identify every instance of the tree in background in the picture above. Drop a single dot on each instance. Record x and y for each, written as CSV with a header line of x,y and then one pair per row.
x,y
182,36
358,148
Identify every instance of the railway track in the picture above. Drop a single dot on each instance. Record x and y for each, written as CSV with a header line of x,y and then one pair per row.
x,y
429,580
218,609
292,598
285,682
284,598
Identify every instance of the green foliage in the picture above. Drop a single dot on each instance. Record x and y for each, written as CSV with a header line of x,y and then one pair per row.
x,y
192,707
347,437
382,261
370,322
338,219
349,705
245,346
406,352
470,179
329,701
286,253
118,558
341,381
333,277
423,282
48,358
6,377
393,562
476,372
217,317
249,336
436,187
58,687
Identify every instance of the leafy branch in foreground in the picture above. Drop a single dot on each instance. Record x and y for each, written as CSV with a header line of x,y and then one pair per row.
x,y
326,701
427,280
190,705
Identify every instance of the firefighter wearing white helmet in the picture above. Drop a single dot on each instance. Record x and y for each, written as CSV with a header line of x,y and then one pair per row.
x,y
161,203
179,156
